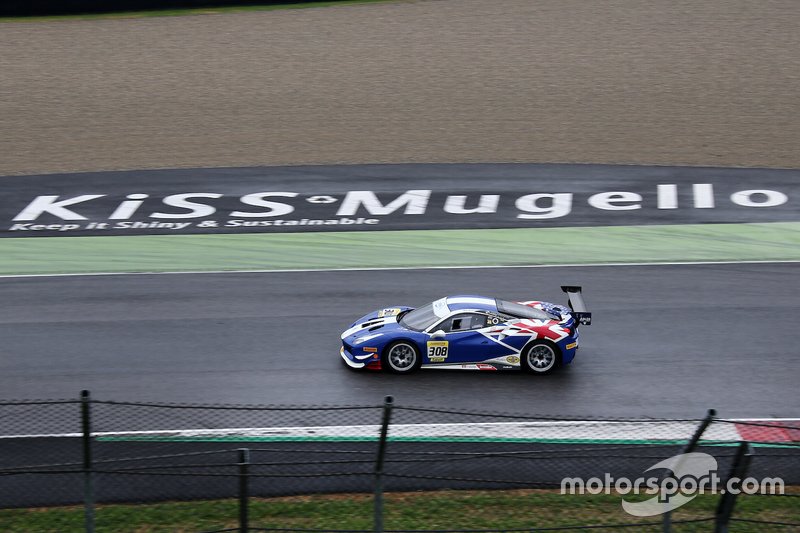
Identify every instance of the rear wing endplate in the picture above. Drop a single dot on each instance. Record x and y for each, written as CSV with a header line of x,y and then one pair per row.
x,y
578,306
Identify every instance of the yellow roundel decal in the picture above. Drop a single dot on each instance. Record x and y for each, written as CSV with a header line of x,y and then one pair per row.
x,y
513,359
437,351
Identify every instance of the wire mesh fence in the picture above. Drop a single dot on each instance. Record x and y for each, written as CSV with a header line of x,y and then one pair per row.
x,y
382,467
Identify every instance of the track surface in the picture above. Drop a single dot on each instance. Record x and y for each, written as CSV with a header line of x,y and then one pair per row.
x,y
667,340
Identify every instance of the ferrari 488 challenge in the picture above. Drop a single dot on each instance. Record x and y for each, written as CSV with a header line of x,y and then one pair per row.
x,y
468,332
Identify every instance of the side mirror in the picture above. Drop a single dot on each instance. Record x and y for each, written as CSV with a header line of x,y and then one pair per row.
x,y
437,335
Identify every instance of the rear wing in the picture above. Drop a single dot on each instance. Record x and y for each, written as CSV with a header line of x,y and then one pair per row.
x,y
578,306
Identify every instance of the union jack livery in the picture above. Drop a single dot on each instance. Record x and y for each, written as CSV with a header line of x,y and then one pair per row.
x,y
468,333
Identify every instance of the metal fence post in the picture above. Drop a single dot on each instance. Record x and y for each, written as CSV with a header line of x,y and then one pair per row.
x,y
378,501
691,445
741,463
88,485
244,490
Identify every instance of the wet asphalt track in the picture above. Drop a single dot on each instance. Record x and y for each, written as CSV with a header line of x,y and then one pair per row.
x,y
666,340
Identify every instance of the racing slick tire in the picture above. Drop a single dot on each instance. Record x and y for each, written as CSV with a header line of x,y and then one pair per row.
x,y
541,357
401,357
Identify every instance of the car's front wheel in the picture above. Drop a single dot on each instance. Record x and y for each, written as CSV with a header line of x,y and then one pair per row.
x,y
541,357
401,357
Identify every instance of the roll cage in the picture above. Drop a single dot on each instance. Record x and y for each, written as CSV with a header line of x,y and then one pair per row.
x,y
491,320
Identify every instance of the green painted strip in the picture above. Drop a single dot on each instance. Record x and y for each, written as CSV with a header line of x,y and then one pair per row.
x,y
618,244
234,438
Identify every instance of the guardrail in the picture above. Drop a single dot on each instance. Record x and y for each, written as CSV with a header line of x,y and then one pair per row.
x,y
93,453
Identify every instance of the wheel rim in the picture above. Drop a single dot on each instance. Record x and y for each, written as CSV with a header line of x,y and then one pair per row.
x,y
402,357
541,358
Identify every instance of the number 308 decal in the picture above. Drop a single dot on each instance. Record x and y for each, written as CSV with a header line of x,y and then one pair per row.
x,y
437,351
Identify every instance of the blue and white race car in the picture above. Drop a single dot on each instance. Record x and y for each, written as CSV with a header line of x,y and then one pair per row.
x,y
468,332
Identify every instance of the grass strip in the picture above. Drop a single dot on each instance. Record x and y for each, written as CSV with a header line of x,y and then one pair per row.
x,y
419,248
414,510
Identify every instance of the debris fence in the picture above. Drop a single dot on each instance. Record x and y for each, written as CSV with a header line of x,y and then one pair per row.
x,y
335,468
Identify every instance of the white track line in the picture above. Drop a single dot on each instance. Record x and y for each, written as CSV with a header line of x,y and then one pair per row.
x,y
588,430
380,269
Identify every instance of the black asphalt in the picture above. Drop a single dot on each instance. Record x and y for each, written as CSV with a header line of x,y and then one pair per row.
x,y
390,197
666,340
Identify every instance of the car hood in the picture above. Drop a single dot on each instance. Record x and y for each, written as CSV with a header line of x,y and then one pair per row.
x,y
377,322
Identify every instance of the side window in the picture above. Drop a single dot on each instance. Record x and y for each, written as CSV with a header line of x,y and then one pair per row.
x,y
464,322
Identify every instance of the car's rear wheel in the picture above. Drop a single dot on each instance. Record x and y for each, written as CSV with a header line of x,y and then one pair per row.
x,y
541,357
401,357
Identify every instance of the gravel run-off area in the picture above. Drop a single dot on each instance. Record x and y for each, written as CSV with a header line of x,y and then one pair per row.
x,y
603,81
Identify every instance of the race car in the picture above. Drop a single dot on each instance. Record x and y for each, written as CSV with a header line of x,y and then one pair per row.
x,y
470,333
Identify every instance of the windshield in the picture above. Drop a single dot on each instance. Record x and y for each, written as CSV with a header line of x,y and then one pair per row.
x,y
522,311
419,318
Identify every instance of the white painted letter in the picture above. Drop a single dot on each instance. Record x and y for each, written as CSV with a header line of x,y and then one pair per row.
x,y
125,210
606,200
560,205
276,209
195,210
486,204
415,201
667,196
48,204
703,195
745,198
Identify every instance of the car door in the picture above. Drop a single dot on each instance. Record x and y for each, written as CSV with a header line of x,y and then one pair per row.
x,y
463,342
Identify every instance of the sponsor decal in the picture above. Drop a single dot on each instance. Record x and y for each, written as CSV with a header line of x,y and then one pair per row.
x,y
513,359
572,345
440,308
164,202
388,312
365,338
438,351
